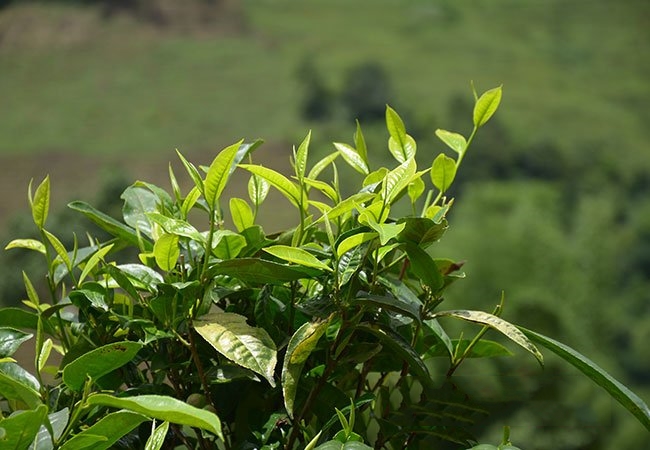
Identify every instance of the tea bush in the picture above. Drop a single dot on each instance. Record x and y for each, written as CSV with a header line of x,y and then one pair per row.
x,y
328,335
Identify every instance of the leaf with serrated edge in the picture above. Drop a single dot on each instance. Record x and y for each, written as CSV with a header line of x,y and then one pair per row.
x,y
230,335
506,328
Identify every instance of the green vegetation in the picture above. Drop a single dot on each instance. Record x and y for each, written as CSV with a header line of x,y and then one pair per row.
x,y
328,335
551,207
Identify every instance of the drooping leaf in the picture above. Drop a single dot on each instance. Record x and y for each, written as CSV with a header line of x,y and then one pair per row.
x,y
286,187
443,172
105,432
30,244
258,189
398,305
241,213
300,346
107,223
454,141
352,157
296,256
219,173
506,328
618,391
93,261
434,326
166,251
486,106
40,203
323,187
21,429
99,362
247,346
162,408
481,349
10,340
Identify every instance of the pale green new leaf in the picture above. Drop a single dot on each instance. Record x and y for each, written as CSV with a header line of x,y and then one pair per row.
x,y
443,172
93,261
258,189
618,391
486,106
323,188
162,408
59,249
21,429
157,438
506,328
352,157
30,244
322,165
401,145
354,241
398,179
296,256
99,362
40,203
300,346
32,294
416,189
176,226
241,213
360,143
301,157
247,346
190,200
286,187
454,141
219,173
166,251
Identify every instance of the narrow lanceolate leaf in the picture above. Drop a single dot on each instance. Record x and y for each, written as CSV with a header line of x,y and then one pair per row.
x,y
93,261
301,157
166,251
21,429
241,213
509,330
322,165
454,141
401,145
360,143
59,249
157,438
424,267
443,172
192,171
300,346
107,223
162,408
261,271
106,432
323,187
486,106
296,256
99,362
286,187
354,159
190,200
30,244
354,241
40,203
218,174
247,346
618,391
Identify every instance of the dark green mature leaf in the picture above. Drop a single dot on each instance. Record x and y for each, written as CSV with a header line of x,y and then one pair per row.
x,y
107,223
481,349
337,445
402,350
230,335
10,340
421,231
13,389
300,346
18,317
618,391
454,141
163,408
99,362
261,271
106,432
20,374
506,328
399,305
21,429
219,173
424,267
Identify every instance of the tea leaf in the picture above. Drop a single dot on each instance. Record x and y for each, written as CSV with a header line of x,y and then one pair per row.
x,y
354,159
296,256
286,187
219,173
443,172
30,244
454,141
241,213
486,106
40,203
105,432
166,251
21,429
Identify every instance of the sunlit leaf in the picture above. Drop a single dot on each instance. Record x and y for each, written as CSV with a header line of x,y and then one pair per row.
x,y
397,180
454,141
219,173
227,244
286,187
21,429
354,159
103,434
486,106
296,256
176,226
260,271
30,244
157,438
301,157
107,223
354,241
443,172
241,213
250,347
40,203
258,189
166,251
10,340
93,261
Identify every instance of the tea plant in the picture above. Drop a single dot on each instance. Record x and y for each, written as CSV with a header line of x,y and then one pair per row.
x,y
321,336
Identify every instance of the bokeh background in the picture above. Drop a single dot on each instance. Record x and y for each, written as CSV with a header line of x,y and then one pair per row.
x,y
553,204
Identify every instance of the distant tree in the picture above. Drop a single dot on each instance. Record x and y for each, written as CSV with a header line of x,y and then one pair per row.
x,y
367,90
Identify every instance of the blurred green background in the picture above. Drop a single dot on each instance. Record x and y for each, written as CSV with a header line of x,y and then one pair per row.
x,y
552,202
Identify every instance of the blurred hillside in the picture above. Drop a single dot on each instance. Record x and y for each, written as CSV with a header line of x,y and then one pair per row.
x,y
553,201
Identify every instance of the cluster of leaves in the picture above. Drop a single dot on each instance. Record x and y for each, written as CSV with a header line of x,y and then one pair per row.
x,y
322,336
